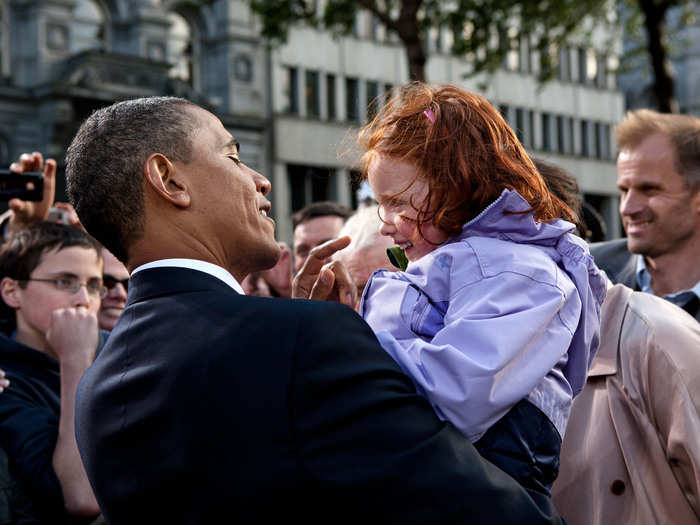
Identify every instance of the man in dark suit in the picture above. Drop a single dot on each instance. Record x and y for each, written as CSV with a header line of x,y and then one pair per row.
x,y
207,406
658,174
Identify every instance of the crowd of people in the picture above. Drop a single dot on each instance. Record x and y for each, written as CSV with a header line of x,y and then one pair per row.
x,y
455,352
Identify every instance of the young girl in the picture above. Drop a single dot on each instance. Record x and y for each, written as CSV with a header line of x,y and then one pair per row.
x,y
496,316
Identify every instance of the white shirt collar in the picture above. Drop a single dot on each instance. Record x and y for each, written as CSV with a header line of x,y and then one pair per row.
x,y
194,264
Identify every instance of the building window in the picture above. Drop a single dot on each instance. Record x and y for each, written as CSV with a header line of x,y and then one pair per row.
x,y
546,132
309,184
372,98
564,64
531,129
582,72
600,79
503,108
561,140
598,140
312,94
292,91
520,124
585,146
388,91
352,102
330,97
605,144
572,134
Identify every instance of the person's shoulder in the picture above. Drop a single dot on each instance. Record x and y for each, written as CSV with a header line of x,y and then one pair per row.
x,y
608,248
660,329
496,257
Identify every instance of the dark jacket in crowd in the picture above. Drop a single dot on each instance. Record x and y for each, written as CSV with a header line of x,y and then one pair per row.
x,y
29,416
621,267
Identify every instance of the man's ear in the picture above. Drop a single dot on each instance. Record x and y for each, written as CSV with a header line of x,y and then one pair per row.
x,y
166,181
9,289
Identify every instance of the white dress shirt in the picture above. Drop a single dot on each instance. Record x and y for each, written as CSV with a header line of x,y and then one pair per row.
x,y
194,264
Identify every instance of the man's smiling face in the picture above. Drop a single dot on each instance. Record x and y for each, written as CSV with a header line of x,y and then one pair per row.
x,y
229,199
659,211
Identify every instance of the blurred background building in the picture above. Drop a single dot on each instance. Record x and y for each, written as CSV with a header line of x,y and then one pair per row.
x,y
293,108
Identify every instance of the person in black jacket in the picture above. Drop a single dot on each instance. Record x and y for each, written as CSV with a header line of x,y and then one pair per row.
x,y
52,282
207,406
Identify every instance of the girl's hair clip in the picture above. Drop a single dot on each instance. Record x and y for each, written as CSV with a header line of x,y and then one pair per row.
x,y
429,113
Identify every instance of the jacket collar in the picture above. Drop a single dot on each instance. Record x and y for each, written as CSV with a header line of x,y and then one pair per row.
x,y
153,282
612,315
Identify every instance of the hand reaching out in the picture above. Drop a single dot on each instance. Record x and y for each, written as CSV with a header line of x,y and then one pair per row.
x,y
325,281
25,213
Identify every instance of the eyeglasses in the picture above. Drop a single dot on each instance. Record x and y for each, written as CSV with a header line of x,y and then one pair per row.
x,y
110,282
71,285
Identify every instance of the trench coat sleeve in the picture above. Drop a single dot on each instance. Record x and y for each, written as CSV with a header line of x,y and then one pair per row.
x,y
672,371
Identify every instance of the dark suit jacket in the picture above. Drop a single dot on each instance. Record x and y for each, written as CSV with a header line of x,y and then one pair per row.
x,y
621,266
211,407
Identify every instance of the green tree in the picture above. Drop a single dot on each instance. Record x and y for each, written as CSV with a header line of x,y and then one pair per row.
x,y
475,24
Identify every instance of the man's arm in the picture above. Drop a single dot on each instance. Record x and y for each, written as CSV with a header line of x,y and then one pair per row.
x,y
73,336
368,438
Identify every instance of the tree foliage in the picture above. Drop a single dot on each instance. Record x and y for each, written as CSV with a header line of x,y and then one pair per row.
x,y
483,30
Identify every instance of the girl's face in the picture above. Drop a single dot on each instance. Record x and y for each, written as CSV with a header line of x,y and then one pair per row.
x,y
390,179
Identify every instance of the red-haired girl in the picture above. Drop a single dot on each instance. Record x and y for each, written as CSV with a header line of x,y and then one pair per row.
x,y
496,316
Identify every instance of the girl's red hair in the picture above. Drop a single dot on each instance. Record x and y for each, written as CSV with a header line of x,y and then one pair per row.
x,y
468,155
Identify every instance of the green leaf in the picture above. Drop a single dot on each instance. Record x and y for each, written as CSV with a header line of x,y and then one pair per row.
x,y
397,257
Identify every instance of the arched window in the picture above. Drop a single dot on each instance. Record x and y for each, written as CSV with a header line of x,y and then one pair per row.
x,y
89,26
180,48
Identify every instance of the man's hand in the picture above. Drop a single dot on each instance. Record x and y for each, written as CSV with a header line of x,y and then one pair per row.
x,y
4,382
325,282
73,336
25,213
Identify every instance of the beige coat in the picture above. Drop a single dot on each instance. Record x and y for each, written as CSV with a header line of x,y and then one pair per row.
x,y
631,454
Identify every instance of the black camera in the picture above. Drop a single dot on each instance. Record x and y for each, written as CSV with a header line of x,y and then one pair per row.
x,y
28,186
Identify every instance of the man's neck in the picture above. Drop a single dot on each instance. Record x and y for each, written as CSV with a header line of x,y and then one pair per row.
x,y
675,271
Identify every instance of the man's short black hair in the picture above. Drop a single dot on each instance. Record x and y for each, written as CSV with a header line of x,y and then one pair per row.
x,y
24,250
320,209
105,161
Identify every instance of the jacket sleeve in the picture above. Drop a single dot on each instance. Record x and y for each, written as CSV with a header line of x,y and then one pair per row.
x,y
366,436
29,432
501,336
671,378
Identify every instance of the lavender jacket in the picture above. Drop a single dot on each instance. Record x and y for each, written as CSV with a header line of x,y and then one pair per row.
x,y
508,309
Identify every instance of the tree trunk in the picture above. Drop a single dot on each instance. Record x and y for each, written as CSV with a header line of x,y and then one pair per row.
x,y
654,19
411,34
